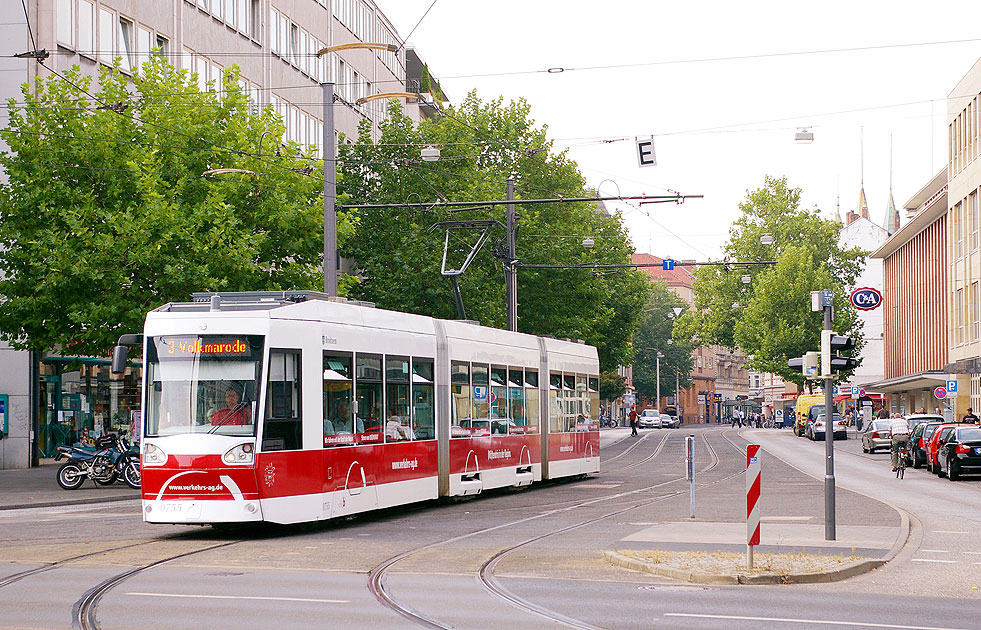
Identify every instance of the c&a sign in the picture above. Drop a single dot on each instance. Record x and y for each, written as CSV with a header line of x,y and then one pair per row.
x,y
866,298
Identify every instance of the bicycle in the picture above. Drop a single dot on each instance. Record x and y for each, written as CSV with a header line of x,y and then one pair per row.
x,y
901,465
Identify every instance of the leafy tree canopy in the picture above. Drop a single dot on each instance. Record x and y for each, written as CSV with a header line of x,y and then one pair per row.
x,y
655,333
770,317
106,213
481,144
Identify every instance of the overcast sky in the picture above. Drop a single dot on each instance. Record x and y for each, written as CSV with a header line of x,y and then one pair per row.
x,y
719,125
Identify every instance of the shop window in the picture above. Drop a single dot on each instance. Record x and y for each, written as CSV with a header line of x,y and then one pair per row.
x,y
282,426
339,423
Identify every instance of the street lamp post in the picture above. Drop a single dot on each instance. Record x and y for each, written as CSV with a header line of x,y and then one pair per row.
x,y
658,362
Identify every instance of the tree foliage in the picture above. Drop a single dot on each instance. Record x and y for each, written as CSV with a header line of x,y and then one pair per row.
x,y
481,144
106,213
770,318
655,333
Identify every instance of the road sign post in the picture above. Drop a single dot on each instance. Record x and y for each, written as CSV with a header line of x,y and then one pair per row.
x,y
753,483
690,469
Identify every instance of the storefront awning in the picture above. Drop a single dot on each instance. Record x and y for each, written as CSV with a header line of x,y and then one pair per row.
x,y
926,380
868,396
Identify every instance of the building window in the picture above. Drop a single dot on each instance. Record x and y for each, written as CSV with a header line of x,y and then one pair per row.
x,y
144,41
106,32
162,46
86,27
66,23
975,311
973,219
959,315
124,43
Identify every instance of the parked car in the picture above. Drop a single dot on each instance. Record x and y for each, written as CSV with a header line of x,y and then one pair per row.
x,y
960,453
669,422
939,437
917,443
817,428
915,419
875,435
649,419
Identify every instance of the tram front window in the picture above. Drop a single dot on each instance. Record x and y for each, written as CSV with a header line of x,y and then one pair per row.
x,y
202,384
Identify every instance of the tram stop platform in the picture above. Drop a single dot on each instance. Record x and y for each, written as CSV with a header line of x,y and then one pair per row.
x,y
38,487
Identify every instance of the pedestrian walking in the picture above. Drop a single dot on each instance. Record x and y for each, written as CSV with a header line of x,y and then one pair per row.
x,y
633,420
883,413
970,417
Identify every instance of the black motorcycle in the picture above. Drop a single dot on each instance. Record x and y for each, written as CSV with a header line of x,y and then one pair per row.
x,y
111,459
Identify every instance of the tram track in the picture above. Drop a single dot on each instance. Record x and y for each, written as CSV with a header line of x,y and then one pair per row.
x,y
485,573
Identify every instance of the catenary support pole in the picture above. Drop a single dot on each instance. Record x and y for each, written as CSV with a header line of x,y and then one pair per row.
x,y
510,268
829,444
330,194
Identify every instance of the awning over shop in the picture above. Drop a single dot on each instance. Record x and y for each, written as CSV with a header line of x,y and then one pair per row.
x,y
868,396
921,380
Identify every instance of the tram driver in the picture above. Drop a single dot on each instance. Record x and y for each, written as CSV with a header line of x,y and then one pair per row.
x,y
234,412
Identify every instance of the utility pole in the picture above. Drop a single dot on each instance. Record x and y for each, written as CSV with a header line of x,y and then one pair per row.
x,y
827,303
330,194
510,265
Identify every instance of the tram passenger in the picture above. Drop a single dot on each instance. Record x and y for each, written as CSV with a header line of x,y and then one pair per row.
x,y
344,421
394,429
234,412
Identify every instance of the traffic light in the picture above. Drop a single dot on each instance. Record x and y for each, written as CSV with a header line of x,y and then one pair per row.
x,y
807,364
832,362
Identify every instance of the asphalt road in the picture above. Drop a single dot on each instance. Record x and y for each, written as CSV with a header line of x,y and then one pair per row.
x,y
318,576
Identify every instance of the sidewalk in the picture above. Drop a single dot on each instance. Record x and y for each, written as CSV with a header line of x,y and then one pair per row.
x,y
38,487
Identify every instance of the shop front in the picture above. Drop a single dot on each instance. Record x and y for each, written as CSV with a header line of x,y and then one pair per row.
x,y
81,400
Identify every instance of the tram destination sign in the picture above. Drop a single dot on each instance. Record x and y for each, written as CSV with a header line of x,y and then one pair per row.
x,y
212,346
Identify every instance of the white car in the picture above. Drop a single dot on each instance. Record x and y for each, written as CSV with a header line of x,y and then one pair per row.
x,y
649,419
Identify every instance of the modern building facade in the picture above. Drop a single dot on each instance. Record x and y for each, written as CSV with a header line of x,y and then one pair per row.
x,y
275,45
915,300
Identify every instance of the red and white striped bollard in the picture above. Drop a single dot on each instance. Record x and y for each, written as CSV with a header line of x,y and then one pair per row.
x,y
753,482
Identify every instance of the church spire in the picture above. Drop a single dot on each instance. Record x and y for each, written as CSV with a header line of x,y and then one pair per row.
x,y
863,205
892,214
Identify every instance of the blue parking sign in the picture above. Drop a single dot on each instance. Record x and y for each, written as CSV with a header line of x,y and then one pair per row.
x,y
951,386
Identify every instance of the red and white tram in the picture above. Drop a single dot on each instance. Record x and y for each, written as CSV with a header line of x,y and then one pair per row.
x,y
290,407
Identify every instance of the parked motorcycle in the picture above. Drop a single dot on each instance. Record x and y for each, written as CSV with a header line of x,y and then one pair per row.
x,y
111,459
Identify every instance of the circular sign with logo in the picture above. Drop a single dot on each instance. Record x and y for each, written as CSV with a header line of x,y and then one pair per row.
x,y
866,298
940,393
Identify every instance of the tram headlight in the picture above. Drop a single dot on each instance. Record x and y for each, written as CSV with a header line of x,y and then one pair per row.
x,y
154,456
241,454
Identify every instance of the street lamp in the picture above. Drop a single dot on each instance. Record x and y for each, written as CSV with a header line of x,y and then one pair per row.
x,y
658,362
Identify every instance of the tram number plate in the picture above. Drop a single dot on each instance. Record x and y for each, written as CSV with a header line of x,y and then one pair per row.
x,y
185,509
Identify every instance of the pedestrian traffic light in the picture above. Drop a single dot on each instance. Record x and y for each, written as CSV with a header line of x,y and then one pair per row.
x,y
807,364
831,362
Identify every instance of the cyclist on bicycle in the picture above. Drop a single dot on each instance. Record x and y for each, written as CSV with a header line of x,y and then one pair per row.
x,y
899,432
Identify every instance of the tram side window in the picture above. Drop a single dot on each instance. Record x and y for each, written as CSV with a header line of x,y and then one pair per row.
x,y
423,400
594,401
556,414
282,426
532,410
339,426
479,422
460,391
571,402
582,405
398,425
516,396
498,400
368,384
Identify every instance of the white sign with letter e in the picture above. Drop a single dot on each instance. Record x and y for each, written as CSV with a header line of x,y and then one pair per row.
x,y
645,152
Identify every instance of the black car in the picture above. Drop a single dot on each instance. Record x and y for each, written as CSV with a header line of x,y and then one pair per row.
x,y
961,452
917,443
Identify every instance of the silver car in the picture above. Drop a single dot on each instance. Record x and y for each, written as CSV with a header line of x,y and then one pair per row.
x,y
669,422
875,436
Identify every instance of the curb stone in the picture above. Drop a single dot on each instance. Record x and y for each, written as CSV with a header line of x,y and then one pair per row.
x,y
695,577
847,571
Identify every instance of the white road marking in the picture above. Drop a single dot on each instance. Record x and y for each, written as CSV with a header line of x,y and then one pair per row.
x,y
973,553
274,599
932,560
934,551
945,531
826,622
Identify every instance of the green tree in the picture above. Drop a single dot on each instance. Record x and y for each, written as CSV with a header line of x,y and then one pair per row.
x,y
481,143
769,318
106,213
655,333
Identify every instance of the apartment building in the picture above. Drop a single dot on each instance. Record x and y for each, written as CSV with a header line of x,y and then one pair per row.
x,y
275,45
